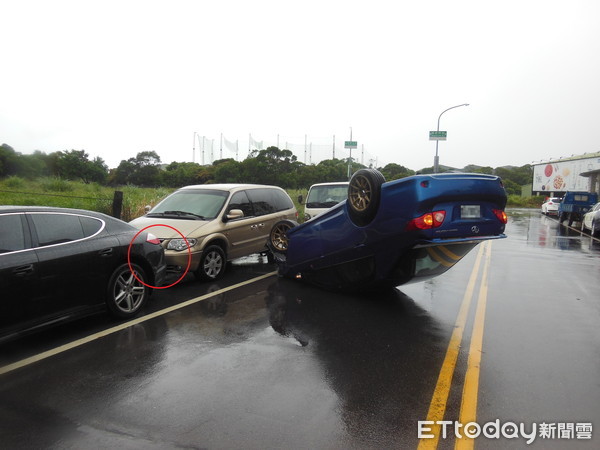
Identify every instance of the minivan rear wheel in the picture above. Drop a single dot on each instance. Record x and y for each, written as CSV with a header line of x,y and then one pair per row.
x,y
212,263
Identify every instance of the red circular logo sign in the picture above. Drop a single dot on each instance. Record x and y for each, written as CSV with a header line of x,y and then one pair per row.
x,y
189,263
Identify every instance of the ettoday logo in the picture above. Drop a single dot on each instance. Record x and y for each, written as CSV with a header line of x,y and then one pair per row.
x,y
508,430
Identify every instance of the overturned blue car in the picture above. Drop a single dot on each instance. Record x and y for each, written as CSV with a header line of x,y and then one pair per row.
x,y
389,234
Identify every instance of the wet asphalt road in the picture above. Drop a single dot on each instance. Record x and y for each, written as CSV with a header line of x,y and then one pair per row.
x,y
278,364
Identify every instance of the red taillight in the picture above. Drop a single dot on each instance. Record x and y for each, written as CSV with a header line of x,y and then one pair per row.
x,y
501,215
152,239
427,221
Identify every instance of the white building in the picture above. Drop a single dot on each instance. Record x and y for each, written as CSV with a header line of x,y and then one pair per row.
x,y
576,173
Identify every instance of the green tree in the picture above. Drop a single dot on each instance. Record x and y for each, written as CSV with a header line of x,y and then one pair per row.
x,y
228,171
471,168
8,161
143,170
270,166
395,171
519,175
147,158
33,166
75,165
122,173
179,174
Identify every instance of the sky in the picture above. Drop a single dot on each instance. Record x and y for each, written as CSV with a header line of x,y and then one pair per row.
x,y
115,78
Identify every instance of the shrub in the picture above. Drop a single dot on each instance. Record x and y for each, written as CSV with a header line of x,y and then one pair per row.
x,y
525,202
55,185
15,182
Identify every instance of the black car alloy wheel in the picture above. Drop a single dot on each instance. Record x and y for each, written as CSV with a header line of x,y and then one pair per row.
x,y
126,293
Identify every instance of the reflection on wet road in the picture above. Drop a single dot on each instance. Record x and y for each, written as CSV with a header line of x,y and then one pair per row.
x,y
279,364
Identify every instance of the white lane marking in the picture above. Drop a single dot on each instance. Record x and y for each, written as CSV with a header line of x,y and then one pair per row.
x,y
108,331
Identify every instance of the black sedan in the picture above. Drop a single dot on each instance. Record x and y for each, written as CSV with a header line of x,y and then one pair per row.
x,y
60,264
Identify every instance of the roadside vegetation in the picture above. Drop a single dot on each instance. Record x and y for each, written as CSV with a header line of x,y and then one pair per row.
x,y
70,179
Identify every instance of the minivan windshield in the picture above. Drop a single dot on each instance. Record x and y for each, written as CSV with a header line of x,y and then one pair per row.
x,y
326,196
191,204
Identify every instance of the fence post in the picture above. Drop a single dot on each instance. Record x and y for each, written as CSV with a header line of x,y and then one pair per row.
x,y
117,205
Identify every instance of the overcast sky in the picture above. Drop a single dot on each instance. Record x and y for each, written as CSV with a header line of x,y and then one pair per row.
x,y
115,78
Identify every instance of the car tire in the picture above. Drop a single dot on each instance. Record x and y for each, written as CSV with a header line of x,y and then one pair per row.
x,y
126,294
364,192
595,232
212,264
278,240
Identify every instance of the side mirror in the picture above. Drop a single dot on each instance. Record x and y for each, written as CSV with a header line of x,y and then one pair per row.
x,y
300,198
147,208
235,214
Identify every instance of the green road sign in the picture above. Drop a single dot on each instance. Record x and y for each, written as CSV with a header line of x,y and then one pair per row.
x,y
437,135
350,144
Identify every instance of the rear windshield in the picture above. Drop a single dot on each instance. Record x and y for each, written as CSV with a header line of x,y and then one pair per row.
x,y
206,203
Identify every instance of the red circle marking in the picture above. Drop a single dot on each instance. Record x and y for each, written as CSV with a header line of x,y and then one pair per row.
x,y
186,269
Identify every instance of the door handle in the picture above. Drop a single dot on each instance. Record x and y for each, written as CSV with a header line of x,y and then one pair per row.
x,y
106,252
261,225
253,227
23,270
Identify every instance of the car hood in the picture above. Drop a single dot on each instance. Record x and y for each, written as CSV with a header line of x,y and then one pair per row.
x,y
170,227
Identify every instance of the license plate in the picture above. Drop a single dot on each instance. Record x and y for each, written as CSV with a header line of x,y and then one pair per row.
x,y
470,211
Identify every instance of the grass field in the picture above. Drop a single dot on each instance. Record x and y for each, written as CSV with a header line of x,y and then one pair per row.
x,y
72,194
94,197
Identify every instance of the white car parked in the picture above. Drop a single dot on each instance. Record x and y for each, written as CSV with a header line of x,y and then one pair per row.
x,y
591,220
323,196
550,206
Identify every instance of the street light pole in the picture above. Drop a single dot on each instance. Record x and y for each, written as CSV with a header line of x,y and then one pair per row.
x,y
436,160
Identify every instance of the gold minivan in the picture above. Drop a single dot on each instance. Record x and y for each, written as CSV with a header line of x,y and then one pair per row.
x,y
220,222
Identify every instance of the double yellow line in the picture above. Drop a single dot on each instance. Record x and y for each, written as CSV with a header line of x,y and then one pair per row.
x,y
468,410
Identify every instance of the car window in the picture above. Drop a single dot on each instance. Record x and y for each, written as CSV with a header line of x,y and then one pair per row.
x,y
240,200
282,200
90,225
262,201
12,237
322,194
57,228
